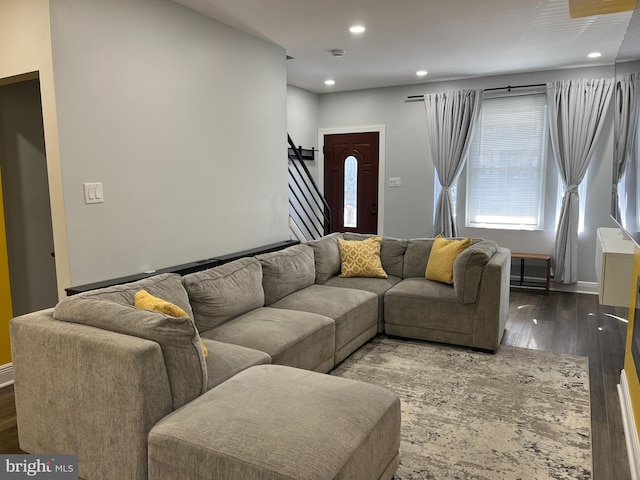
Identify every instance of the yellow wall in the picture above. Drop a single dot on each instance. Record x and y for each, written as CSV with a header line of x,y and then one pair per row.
x,y
25,52
6,311
629,366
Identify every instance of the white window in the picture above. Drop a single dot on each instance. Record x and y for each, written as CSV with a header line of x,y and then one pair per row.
x,y
506,164
350,215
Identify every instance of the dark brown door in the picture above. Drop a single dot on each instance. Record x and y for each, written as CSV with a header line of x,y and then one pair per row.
x,y
351,181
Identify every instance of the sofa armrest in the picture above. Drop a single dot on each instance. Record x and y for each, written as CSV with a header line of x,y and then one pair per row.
x,y
87,391
492,304
468,268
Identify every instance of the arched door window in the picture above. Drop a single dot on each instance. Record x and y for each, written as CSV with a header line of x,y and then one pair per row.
x,y
351,192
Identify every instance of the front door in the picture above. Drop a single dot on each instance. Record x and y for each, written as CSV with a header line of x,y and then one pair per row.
x,y
351,164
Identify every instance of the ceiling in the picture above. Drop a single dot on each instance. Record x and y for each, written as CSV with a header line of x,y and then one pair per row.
x,y
450,39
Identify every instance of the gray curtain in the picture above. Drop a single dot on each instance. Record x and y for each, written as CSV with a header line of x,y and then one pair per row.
x,y
626,125
576,111
451,117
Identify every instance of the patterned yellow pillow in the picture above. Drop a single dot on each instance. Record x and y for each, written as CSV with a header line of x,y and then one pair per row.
x,y
146,301
361,258
443,253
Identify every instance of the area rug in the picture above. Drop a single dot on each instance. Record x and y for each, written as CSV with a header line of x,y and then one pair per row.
x,y
518,414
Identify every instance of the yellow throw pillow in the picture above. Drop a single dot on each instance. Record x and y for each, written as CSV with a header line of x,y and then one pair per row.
x,y
361,258
146,301
443,253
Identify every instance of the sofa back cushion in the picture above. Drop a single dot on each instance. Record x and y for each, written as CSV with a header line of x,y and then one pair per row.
x,y
468,268
112,309
326,253
416,257
417,254
392,252
286,271
167,286
224,292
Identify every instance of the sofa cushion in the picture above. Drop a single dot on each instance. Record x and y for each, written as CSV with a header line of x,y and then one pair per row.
x,y
178,337
326,255
443,253
379,286
224,292
285,271
167,286
392,252
297,339
416,257
227,360
468,268
361,258
355,313
417,304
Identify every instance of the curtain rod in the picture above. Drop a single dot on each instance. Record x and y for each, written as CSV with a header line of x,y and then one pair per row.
x,y
509,88
411,98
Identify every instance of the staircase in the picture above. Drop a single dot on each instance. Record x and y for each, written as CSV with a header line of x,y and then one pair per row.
x,y
309,212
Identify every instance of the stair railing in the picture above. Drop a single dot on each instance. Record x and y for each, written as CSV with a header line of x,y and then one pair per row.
x,y
309,207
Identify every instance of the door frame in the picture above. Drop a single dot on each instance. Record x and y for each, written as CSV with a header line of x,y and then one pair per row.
x,y
54,171
380,129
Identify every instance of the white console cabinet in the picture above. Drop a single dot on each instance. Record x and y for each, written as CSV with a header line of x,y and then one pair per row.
x,y
614,261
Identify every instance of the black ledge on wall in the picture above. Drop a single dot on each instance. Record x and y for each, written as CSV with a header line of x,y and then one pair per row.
x,y
185,268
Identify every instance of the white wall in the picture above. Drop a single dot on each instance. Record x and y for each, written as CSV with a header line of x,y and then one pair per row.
x,y
25,53
182,119
408,210
302,116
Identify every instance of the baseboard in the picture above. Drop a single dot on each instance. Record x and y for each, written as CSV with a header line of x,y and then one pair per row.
x,y
578,287
6,375
590,288
528,282
630,432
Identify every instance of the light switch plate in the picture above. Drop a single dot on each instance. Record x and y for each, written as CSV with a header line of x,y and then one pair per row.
x,y
93,193
395,182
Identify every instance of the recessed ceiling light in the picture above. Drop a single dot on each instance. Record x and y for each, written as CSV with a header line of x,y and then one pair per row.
x,y
329,82
594,55
357,29
421,73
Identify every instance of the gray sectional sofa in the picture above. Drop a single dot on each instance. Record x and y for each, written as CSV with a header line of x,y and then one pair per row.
x,y
100,378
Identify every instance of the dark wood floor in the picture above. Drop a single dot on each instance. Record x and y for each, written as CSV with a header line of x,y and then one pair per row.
x,y
8,429
561,323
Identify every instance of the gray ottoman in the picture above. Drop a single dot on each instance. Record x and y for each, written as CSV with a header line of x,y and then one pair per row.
x,y
275,422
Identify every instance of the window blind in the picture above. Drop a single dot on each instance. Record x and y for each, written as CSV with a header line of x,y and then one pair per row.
x,y
506,164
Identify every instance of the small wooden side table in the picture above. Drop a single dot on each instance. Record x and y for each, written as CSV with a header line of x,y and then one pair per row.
x,y
534,256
